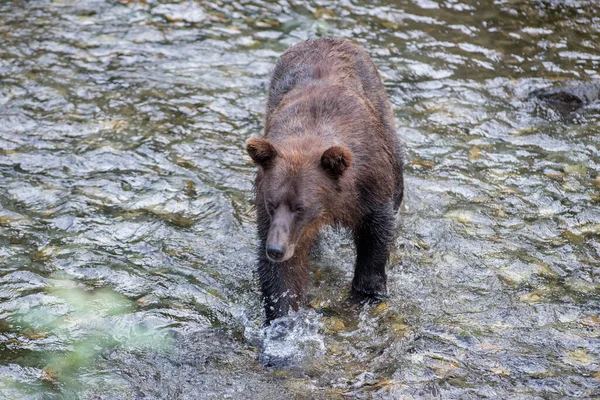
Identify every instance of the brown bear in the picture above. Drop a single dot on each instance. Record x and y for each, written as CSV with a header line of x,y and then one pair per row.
x,y
329,156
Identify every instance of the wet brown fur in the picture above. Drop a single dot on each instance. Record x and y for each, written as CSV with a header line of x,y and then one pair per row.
x,y
330,141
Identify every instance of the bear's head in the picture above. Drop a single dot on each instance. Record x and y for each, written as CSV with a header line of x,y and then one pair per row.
x,y
298,181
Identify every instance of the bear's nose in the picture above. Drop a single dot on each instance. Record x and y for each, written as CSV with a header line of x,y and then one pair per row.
x,y
275,251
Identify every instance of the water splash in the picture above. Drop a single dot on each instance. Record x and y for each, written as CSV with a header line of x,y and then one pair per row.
x,y
289,342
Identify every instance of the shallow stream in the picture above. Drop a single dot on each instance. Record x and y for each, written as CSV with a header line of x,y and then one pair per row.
x,y
127,238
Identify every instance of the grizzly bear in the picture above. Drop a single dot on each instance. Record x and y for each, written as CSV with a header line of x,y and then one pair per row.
x,y
329,156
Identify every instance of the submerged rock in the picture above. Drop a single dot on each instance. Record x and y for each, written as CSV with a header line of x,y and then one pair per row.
x,y
569,98
184,12
333,325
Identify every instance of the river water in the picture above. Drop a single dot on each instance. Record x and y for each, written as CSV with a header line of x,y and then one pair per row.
x,y
126,221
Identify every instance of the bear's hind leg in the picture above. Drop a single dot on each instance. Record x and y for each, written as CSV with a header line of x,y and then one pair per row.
x,y
399,190
373,237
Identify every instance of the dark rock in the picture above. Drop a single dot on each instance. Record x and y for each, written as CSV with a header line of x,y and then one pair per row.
x,y
569,98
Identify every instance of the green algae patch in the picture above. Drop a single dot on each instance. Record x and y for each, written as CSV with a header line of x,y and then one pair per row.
x,y
89,323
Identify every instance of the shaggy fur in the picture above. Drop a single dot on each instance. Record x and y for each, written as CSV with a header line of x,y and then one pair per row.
x,y
329,156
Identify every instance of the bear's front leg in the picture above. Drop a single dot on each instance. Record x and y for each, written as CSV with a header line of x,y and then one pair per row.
x,y
373,237
283,285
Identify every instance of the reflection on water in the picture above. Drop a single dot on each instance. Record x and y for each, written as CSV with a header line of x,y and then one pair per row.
x,y
126,224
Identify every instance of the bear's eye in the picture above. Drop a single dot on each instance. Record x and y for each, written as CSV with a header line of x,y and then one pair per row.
x,y
299,208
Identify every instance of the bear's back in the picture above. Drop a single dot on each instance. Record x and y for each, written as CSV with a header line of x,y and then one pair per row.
x,y
336,61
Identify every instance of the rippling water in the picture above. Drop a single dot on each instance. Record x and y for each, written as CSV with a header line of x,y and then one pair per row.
x,y
126,221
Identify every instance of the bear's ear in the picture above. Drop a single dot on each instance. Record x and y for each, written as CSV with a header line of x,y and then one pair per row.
x,y
261,151
335,160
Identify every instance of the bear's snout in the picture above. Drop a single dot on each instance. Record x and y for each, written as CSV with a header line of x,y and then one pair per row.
x,y
278,247
278,252
275,251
